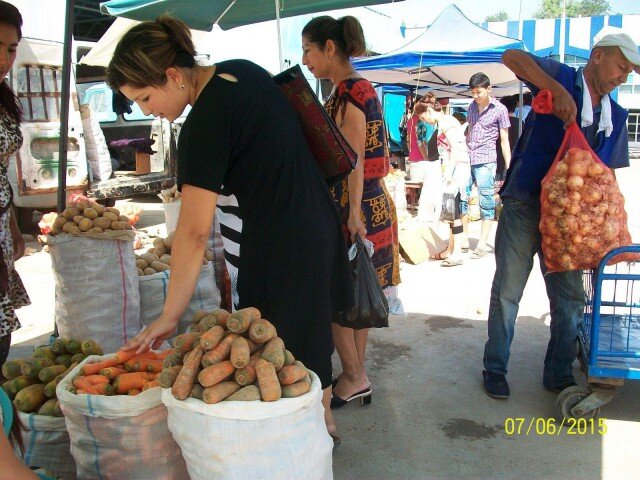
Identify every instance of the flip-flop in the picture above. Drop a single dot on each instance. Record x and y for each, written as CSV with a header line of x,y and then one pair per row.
x,y
449,262
440,255
478,253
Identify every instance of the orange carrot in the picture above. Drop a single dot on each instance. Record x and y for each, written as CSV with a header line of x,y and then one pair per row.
x,y
96,379
112,372
253,346
289,359
151,384
211,338
221,352
103,389
247,375
184,382
292,373
219,392
183,343
127,381
93,368
240,352
215,373
221,317
274,352
130,365
82,384
165,353
168,376
261,331
133,392
296,389
240,320
148,365
268,381
124,355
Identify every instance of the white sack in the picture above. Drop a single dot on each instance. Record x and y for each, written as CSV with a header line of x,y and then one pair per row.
x,y
253,440
97,151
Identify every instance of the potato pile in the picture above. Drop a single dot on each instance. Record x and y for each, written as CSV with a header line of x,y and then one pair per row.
x,y
230,357
158,258
85,216
583,214
32,381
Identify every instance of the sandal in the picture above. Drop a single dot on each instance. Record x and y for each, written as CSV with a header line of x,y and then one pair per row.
x,y
478,253
444,254
450,262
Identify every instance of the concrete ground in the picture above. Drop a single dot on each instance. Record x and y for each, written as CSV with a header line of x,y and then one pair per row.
x,y
429,417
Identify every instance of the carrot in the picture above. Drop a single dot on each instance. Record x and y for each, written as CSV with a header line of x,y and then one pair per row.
x,y
83,385
268,381
93,368
196,391
112,372
245,394
289,359
172,360
221,317
239,321
133,392
221,352
89,347
206,322
103,389
211,338
127,381
199,315
130,365
240,352
247,375
151,384
29,399
148,365
183,343
299,388
124,355
187,376
219,392
168,376
274,352
96,379
216,373
253,346
291,374
165,353
261,331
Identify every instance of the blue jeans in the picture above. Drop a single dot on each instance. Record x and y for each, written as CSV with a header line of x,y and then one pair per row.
x,y
483,176
517,241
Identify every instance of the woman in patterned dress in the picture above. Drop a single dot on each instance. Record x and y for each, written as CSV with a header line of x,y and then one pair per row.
x,y
12,292
365,206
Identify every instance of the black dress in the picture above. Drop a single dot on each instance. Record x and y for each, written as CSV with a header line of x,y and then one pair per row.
x,y
242,138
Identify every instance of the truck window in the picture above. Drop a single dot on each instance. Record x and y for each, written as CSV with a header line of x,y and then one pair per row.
x,y
39,92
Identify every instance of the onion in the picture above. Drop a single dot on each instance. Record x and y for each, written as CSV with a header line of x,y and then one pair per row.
x,y
562,169
576,239
574,154
567,224
578,168
593,244
591,194
575,182
597,218
595,168
574,208
603,207
574,195
551,227
556,210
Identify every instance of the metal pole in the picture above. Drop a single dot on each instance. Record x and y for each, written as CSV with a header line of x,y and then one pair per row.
x,y
64,106
520,99
563,32
279,36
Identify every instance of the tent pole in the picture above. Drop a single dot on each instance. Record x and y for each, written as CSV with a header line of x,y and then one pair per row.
x,y
64,106
520,102
279,36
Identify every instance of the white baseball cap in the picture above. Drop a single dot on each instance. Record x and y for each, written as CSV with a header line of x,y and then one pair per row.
x,y
616,37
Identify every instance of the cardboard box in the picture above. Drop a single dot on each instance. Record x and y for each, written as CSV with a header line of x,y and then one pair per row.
x,y
143,163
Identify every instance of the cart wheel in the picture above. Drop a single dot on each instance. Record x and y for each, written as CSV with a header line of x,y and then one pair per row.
x,y
569,398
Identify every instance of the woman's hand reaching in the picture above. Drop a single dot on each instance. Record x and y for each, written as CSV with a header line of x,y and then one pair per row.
x,y
356,226
152,336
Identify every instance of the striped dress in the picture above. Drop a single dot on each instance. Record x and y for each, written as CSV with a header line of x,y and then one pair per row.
x,y
378,209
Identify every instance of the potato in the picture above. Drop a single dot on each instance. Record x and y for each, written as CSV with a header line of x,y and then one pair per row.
x,y
118,225
90,213
158,242
95,230
112,217
150,257
159,266
152,251
55,230
59,222
78,218
149,271
208,254
141,263
113,210
168,241
123,218
84,204
128,226
102,222
69,213
140,272
71,228
166,258
160,250
85,225
99,208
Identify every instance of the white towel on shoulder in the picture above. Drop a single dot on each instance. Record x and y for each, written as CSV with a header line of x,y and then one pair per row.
x,y
586,115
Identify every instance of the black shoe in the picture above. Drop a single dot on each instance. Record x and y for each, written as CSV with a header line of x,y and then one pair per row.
x,y
560,388
363,395
495,385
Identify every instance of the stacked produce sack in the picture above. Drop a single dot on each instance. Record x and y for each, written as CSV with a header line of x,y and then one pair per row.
x,y
116,420
96,283
154,269
32,386
98,154
583,215
230,378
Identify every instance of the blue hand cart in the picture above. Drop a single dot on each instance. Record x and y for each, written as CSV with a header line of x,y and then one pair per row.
x,y
609,336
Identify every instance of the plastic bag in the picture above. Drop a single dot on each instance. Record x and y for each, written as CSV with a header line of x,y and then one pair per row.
x,y
582,215
448,210
371,309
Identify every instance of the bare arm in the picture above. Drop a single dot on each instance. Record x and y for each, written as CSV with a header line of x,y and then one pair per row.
x,y
423,151
197,210
12,467
504,145
354,128
524,67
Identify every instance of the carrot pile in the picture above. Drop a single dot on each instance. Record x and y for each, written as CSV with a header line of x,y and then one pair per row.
x,y
236,356
125,373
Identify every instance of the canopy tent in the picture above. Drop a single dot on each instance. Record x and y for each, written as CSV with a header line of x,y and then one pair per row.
x,y
443,58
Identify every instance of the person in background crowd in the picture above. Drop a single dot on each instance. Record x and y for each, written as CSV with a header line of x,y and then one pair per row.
x,y
291,258
414,131
509,103
12,292
578,96
362,199
455,159
488,121
430,202
524,109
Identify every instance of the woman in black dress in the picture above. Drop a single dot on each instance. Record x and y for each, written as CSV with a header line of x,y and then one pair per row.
x,y
242,138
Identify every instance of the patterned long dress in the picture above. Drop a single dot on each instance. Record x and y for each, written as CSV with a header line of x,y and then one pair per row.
x,y
378,209
15,296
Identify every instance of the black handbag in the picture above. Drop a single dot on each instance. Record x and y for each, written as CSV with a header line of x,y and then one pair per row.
x,y
335,158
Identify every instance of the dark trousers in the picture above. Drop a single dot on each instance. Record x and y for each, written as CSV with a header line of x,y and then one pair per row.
x,y
5,343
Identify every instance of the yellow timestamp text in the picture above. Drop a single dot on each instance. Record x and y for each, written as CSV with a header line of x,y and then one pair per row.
x,y
552,426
